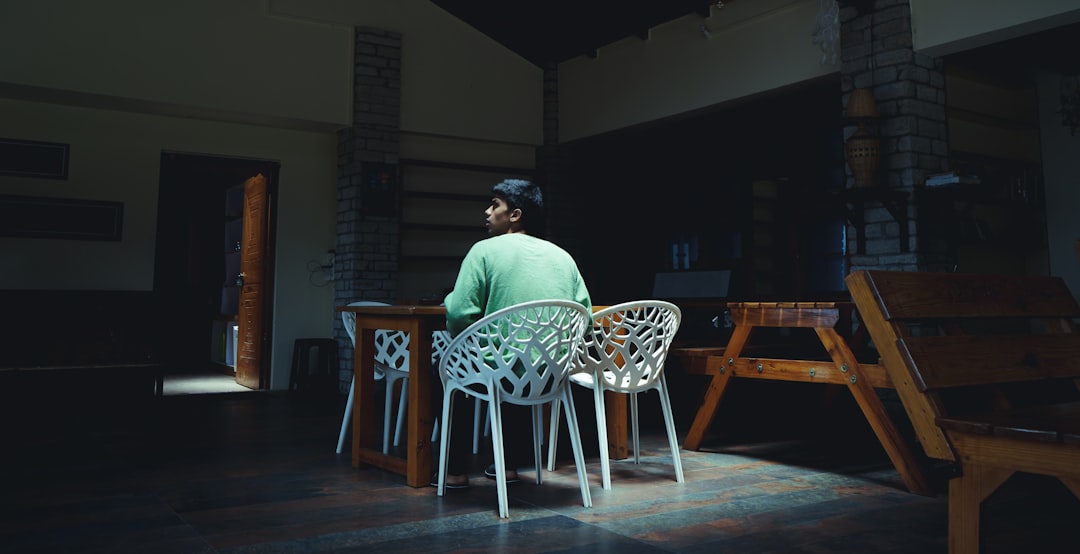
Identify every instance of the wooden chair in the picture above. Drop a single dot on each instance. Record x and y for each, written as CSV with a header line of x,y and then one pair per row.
x,y
987,368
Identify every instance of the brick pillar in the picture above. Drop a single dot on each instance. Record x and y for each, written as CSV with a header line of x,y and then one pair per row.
x,y
366,263
909,88
567,222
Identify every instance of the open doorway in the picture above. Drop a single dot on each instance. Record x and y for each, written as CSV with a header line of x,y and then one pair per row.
x,y
193,267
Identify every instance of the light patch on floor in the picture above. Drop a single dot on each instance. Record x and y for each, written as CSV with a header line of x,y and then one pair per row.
x,y
204,383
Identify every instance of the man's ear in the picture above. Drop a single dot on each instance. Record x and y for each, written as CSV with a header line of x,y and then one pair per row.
x,y
515,215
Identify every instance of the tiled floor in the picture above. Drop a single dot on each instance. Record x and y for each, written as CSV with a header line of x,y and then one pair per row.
x,y
257,472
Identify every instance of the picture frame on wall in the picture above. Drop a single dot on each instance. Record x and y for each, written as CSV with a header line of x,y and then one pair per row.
x,y
379,192
36,159
60,218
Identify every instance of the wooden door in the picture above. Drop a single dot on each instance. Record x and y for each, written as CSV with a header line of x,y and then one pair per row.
x,y
253,295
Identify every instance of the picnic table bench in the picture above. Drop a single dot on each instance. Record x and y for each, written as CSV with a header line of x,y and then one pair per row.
x,y
987,368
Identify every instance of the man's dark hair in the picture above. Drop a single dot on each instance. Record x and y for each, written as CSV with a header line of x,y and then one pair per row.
x,y
524,195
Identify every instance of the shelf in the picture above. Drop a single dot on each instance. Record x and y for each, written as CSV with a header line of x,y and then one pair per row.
x,y
481,198
468,167
855,200
476,229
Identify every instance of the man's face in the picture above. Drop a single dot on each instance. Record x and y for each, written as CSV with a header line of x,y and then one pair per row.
x,y
499,216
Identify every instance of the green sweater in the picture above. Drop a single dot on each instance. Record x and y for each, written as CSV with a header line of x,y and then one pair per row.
x,y
504,270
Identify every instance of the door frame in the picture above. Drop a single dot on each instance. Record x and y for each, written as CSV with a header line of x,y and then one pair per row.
x,y
187,253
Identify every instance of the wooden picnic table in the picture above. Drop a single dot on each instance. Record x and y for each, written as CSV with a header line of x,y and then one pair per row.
x,y
837,366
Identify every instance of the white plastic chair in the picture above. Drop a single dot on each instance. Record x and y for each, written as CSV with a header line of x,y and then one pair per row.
x,y
522,355
626,353
392,363
439,341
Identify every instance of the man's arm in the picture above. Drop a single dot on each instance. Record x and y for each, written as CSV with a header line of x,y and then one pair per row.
x,y
465,304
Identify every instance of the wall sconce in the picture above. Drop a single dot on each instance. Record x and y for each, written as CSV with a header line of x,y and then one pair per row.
x,y
862,150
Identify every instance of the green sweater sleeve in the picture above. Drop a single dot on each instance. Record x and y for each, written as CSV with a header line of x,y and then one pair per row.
x,y
465,304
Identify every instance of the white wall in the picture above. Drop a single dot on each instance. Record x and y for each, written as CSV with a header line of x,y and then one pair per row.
x,y
754,47
202,57
455,81
123,80
1061,177
942,27
116,155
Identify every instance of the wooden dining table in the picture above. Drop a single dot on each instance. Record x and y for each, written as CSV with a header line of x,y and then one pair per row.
x,y
837,365
419,321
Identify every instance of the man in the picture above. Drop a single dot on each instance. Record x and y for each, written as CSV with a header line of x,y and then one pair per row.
x,y
509,267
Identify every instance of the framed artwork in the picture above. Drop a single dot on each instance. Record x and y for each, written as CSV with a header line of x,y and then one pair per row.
x,y
379,192
60,218
28,158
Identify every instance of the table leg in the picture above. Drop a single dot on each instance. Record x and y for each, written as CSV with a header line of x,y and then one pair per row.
x,y
418,451
720,377
363,416
615,408
874,412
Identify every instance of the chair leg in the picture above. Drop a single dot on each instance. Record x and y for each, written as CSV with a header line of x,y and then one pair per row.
x,y
403,398
669,422
601,434
575,441
537,433
386,414
553,435
477,406
634,428
444,440
345,419
494,409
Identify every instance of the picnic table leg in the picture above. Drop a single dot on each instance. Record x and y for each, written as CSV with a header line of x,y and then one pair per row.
x,y
720,377
966,495
866,397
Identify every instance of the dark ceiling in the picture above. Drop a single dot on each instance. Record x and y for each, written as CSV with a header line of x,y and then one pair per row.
x,y
553,31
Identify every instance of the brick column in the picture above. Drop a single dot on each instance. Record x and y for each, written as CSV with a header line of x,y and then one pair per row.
x,y
909,88
366,263
567,221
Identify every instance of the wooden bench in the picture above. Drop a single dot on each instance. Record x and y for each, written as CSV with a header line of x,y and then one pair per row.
x,y
987,368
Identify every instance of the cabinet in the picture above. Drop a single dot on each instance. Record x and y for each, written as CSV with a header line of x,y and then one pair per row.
x,y
224,328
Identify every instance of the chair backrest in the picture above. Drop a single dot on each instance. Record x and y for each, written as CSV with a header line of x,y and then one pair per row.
x,y
521,354
391,347
629,343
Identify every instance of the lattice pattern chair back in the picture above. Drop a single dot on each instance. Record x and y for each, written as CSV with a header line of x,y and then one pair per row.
x,y
521,355
527,352
391,363
391,351
439,341
625,352
629,344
